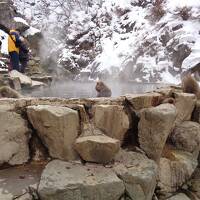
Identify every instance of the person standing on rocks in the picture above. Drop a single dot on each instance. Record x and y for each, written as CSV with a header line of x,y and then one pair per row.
x,y
23,54
13,49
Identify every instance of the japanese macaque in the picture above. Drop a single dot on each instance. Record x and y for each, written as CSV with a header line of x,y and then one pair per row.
x,y
7,92
103,90
190,85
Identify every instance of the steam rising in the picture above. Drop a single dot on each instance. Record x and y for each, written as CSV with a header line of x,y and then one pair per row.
x,y
72,89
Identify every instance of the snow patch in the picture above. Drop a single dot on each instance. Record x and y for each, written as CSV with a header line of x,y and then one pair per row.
x,y
31,31
4,40
19,19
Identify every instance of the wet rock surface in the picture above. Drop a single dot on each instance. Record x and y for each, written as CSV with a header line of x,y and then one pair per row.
x,y
15,182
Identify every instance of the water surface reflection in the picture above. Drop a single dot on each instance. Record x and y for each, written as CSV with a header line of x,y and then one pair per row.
x,y
74,89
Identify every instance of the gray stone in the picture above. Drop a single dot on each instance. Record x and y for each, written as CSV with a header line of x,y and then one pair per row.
x,y
140,101
14,137
57,127
184,103
37,84
24,80
112,120
15,83
98,148
186,136
174,170
63,180
154,127
138,173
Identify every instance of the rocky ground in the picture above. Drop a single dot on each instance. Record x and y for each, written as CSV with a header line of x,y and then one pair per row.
x,y
125,148
133,147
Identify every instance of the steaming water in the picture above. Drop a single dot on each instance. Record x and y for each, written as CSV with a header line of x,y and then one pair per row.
x,y
87,89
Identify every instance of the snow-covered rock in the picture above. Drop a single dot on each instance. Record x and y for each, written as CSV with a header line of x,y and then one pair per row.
x,y
130,40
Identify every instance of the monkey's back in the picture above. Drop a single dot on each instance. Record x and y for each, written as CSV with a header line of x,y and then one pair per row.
x,y
8,92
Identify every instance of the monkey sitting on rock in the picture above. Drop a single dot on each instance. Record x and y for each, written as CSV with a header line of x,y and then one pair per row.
x,y
7,92
190,85
103,90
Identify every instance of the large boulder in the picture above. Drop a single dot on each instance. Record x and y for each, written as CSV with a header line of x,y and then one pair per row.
x,y
112,120
64,180
97,148
140,101
174,170
154,127
185,104
138,174
14,137
57,127
186,136
24,80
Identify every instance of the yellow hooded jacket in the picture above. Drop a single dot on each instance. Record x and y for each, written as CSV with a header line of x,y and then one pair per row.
x,y
11,44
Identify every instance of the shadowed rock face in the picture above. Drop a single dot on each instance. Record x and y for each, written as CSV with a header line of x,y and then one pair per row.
x,y
7,13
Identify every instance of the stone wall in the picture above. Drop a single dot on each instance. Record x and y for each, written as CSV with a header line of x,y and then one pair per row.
x,y
132,147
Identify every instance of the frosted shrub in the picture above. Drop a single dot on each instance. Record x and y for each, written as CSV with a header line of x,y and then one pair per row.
x,y
184,12
141,3
157,10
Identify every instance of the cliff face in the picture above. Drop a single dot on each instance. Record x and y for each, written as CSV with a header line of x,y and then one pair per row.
x,y
7,13
140,40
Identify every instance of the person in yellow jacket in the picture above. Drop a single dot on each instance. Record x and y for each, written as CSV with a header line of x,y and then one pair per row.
x,y
13,49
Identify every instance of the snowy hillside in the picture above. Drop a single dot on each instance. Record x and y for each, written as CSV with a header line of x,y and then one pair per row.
x,y
141,40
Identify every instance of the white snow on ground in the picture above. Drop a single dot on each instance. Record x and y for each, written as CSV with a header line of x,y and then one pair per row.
x,y
4,40
173,4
